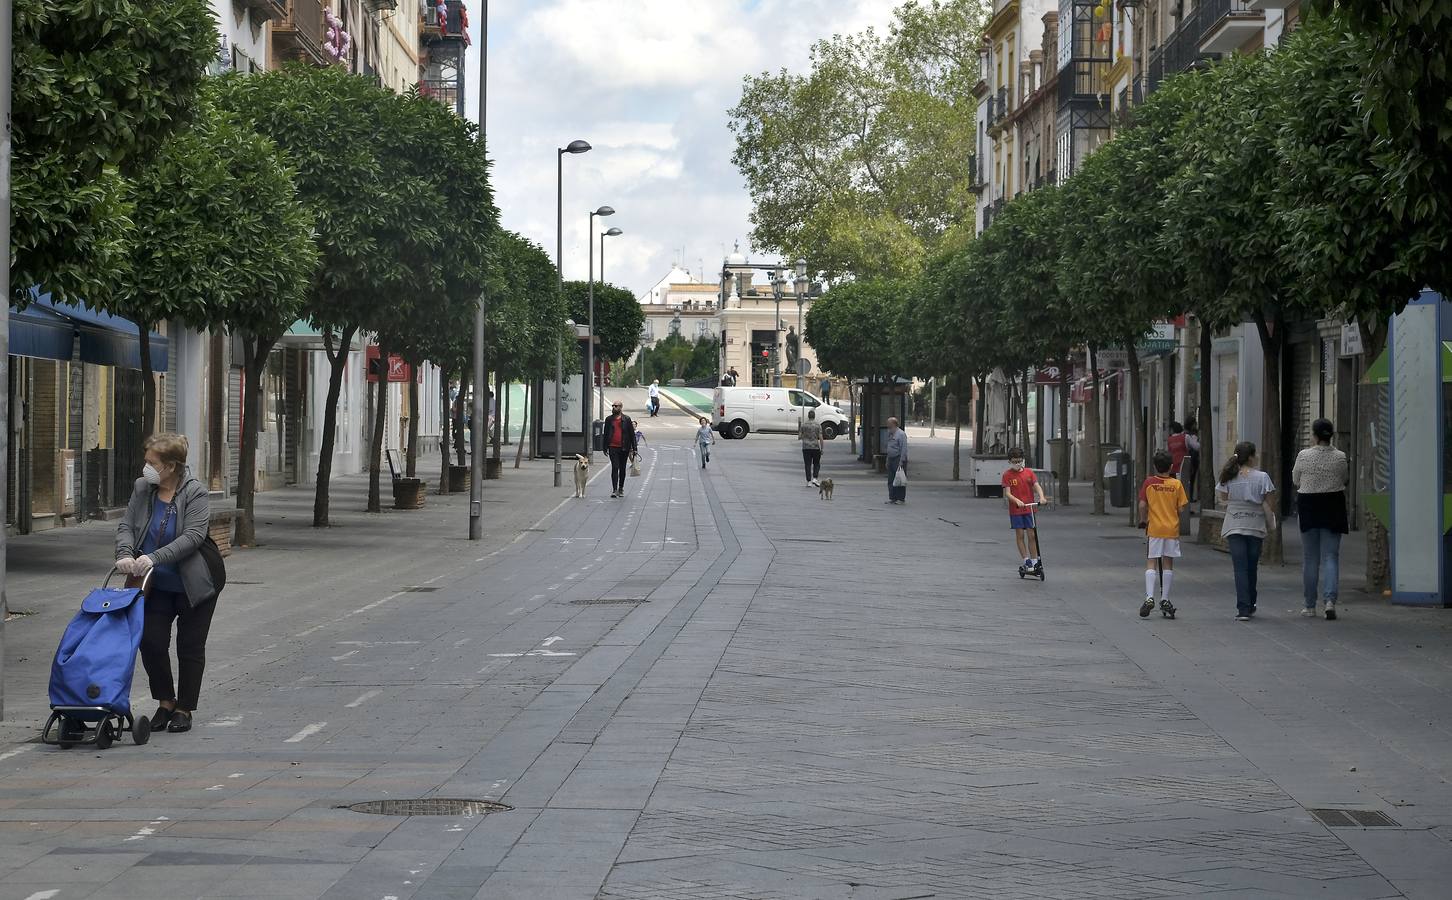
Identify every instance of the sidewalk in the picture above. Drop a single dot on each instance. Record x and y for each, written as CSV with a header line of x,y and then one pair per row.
x,y
296,570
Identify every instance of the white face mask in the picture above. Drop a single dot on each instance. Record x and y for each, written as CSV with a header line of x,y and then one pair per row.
x,y
151,475
1017,467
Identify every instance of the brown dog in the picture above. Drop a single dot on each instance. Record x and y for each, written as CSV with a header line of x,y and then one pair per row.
x,y
824,489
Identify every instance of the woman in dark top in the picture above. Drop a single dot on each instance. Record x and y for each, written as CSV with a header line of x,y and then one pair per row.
x,y
162,533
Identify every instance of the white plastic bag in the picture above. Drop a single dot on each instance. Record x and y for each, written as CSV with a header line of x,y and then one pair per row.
x,y
900,479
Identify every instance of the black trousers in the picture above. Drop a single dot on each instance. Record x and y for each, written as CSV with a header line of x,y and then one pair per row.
x,y
192,626
619,457
812,459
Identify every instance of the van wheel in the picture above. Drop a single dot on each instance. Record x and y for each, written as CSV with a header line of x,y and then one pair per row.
x,y
829,431
739,430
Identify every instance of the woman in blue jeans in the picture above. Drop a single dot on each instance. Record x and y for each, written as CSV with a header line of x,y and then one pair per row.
x,y
1320,476
1245,492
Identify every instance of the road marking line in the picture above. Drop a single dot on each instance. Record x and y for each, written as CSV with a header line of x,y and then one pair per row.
x,y
226,722
12,753
515,612
44,895
551,640
146,830
344,656
375,643
306,733
367,695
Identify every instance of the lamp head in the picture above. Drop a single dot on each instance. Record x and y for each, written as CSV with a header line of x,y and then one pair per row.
x,y
614,232
577,147
801,268
605,211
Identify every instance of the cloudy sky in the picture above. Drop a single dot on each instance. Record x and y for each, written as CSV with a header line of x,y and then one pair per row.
x,y
648,83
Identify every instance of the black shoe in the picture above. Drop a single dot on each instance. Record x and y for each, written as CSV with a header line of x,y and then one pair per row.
x,y
161,718
180,721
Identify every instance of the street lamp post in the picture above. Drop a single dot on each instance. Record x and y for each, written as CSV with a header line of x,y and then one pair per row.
x,y
613,232
799,287
477,436
575,147
590,347
778,286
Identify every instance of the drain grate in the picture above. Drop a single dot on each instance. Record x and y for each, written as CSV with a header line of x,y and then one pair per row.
x,y
419,590
436,807
609,601
1354,818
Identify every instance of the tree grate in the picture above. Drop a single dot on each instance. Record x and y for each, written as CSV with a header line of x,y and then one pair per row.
x,y
1353,818
609,601
433,807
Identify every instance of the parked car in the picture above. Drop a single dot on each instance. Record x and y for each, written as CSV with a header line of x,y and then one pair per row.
x,y
738,411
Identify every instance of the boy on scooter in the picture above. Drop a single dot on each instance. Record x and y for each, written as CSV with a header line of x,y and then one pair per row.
x,y
1021,489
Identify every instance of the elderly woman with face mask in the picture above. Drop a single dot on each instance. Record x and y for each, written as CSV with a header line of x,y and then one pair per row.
x,y
161,535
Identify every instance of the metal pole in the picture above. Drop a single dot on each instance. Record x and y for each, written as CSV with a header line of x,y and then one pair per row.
x,y
776,340
933,407
476,427
560,287
801,385
5,80
590,349
601,413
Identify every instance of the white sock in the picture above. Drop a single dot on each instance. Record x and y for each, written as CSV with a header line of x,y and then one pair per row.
x,y
1149,582
1169,578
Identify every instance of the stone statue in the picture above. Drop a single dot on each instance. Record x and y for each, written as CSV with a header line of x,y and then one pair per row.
x,y
791,348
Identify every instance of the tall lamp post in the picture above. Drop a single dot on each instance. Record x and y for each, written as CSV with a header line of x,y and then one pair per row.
x,y
5,85
613,232
575,147
778,287
590,347
799,287
477,436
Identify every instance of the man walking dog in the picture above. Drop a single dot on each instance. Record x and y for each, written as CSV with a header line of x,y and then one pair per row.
x,y
619,444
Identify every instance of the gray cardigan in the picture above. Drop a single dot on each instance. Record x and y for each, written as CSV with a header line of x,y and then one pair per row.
x,y
194,512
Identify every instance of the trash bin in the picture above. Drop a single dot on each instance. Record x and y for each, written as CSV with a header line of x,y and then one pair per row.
x,y
1117,477
597,435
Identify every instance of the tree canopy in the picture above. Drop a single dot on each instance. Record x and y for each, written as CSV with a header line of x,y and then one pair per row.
x,y
858,165
852,327
618,316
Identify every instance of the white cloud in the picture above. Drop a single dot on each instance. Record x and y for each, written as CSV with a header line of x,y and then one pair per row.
x,y
648,83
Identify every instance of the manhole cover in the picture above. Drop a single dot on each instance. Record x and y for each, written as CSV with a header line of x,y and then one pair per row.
x,y
608,601
1353,818
438,807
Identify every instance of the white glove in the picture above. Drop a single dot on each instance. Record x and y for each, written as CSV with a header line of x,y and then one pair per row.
x,y
126,566
143,565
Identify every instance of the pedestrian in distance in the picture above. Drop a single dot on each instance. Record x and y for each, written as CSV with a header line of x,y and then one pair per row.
x,y
894,445
162,533
1179,448
1320,475
827,391
705,437
1021,489
619,446
1161,498
735,376
1189,470
809,433
654,391
1245,492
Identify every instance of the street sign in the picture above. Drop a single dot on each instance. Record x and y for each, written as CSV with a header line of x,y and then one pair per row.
x,y
1351,340
1049,374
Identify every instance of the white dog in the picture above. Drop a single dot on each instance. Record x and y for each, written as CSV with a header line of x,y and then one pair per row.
x,y
582,474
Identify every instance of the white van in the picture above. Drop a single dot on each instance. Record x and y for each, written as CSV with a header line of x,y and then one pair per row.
x,y
738,411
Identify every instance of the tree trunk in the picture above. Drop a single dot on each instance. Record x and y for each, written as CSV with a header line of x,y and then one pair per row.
x,y
498,407
446,416
1010,411
460,432
1373,455
1065,456
148,383
254,353
952,404
1092,429
505,403
980,412
1023,399
337,364
411,457
523,427
380,426
1206,476
852,416
1137,441
1271,451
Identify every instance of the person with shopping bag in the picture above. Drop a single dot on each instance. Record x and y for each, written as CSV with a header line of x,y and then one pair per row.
x,y
894,445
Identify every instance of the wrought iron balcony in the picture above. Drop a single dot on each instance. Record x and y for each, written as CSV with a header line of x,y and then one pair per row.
x,y
1227,25
267,10
299,34
448,27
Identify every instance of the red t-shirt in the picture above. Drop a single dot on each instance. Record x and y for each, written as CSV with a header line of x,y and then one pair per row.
x,y
1179,449
1020,485
617,437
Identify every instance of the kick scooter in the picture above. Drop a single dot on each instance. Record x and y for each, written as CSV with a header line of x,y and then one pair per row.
x,y
1167,609
1038,568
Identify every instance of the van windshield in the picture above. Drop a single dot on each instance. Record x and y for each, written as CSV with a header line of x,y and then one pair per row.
x,y
802,398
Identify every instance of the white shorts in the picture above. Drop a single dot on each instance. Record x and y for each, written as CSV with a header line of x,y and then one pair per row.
x,y
1164,547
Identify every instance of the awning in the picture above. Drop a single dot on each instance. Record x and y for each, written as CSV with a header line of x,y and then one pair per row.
x,y
40,333
106,340
301,336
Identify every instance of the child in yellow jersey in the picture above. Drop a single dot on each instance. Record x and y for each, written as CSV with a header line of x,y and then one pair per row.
x,y
1161,498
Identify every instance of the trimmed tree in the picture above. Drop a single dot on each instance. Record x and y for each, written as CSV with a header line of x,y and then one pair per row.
x,y
618,317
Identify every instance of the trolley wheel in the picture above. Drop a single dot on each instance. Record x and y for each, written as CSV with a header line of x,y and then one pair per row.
x,y
103,734
140,730
71,732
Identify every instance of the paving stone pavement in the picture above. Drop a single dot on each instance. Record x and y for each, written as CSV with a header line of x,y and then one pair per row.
x,y
724,687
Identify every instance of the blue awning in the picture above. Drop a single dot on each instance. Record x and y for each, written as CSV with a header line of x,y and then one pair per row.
x,y
40,333
106,340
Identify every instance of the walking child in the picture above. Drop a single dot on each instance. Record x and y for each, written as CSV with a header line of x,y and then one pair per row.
x,y
1021,488
704,439
1161,498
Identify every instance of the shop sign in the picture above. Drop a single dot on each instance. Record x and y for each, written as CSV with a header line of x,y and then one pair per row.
x,y
1049,374
1351,340
398,370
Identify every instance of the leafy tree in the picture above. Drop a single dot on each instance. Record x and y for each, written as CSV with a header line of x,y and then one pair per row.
x,y
350,143
220,241
852,327
99,85
618,317
857,165
675,357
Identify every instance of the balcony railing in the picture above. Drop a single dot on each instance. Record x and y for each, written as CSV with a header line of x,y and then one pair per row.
x,y
300,32
1181,50
450,26
267,10
1226,25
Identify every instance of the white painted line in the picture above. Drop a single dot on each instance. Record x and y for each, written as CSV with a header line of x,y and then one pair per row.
x,y
216,787
9,754
462,641
551,640
306,733
236,774
367,695
344,656
45,895
517,611
375,643
226,722
146,830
